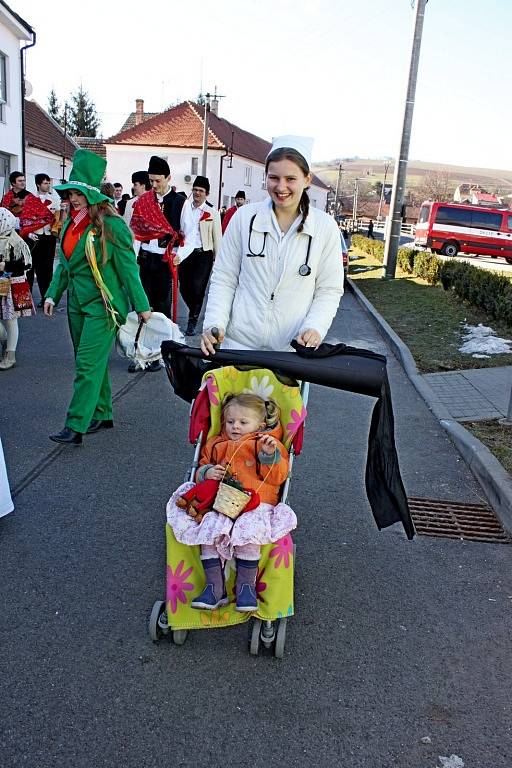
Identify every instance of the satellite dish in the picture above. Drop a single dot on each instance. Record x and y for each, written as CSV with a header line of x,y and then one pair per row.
x,y
28,89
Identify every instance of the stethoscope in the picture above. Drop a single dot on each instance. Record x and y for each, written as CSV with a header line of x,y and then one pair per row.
x,y
304,269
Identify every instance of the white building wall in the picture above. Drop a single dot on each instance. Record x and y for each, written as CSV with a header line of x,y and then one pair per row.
x,y
123,160
39,161
11,32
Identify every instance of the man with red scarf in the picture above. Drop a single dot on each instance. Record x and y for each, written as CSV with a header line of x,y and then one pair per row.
x,y
30,211
155,223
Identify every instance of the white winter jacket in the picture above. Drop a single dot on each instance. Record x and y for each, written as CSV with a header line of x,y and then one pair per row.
x,y
263,302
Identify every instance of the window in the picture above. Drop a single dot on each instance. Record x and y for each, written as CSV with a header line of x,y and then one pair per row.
x,y
509,222
264,181
457,217
248,175
424,214
486,220
194,165
3,86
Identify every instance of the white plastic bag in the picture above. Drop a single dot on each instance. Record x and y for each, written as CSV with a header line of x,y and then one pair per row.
x,y
142,341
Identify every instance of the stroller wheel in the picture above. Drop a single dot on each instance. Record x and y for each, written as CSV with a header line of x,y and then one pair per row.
x,y
280,639
179,636
254,637
154,627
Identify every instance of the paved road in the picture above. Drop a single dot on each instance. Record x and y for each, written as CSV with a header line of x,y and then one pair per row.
x,y
393,641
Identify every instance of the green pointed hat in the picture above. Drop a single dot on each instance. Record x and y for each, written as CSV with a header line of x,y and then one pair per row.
x,y
86,176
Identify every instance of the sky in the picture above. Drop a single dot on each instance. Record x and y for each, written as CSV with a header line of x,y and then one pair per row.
x,y
332,69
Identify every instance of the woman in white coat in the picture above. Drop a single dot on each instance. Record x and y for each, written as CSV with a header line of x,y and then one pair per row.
x,y
279,272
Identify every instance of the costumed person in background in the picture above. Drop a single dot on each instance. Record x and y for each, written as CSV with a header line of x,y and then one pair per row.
x,y
155,223
140,184
97,267
249,449
28,209
279,273
239,201
201,227
15,297
43,250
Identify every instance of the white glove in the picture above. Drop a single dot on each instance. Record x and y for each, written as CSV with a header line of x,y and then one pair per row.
x,y
33,236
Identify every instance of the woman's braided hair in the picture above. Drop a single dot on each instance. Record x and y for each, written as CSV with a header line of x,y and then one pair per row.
x,y
287,153
267,411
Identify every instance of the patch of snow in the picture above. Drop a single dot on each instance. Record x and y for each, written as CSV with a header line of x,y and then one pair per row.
x,y
481,341
454,761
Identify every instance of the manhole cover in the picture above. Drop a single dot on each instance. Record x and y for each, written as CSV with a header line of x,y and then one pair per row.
x,y
456,520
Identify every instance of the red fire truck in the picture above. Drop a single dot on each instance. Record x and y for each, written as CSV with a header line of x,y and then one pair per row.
x,y
451,228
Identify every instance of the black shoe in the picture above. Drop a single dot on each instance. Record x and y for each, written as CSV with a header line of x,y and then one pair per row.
x,y
191,328
134,367
97,424
154,366
67,436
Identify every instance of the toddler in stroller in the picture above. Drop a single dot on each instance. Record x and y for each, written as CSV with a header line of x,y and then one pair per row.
x,y
249,452
220,570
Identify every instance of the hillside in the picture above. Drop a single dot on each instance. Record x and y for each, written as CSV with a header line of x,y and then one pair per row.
x,y
372,170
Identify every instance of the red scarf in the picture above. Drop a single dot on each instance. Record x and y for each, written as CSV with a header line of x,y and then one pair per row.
x,y
80,220
33,215
148,221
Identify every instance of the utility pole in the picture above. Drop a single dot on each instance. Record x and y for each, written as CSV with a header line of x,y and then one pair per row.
x,y
397,195
340,171
205,133
386,169
63,179
207,108
354,207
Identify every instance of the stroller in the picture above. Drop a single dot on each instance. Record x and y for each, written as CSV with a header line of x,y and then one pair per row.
x,y
274,583
206,382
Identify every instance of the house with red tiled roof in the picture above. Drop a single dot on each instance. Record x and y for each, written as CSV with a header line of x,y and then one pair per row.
x,y
236,157
47,148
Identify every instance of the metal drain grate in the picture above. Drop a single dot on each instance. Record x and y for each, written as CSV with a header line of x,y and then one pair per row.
x,y
456,520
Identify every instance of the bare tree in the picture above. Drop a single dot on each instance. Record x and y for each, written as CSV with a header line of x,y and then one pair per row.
x,y
436,185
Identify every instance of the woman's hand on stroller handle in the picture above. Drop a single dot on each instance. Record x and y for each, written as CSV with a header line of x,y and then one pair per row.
x,y
211,339
309,338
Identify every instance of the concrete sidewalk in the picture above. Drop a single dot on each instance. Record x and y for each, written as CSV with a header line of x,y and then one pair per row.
x,y
475,394
458,396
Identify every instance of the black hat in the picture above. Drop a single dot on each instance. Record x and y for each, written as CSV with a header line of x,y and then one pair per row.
x,y
240,193
202,182
142,177
159,166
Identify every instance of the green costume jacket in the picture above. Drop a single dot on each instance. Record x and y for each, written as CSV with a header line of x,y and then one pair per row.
x,y
120,273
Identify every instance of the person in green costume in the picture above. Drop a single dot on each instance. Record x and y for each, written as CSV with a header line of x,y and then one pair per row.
x,y
97,266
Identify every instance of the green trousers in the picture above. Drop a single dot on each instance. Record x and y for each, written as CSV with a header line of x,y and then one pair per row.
x,y
93,336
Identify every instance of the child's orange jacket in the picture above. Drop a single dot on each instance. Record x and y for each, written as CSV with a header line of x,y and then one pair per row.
x,y
248,463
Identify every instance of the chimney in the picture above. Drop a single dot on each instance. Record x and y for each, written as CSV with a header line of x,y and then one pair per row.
x,y
139,111
214,106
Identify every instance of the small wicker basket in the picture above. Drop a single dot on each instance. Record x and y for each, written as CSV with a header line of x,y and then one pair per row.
x,y
5,286
230,501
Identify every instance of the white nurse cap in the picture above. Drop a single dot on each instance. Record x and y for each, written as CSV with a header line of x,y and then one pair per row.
x,y
302,144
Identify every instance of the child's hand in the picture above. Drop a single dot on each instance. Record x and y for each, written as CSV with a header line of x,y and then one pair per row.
x,y
215,473
268,445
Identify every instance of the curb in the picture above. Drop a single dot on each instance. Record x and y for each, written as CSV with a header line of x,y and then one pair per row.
x,y
495,481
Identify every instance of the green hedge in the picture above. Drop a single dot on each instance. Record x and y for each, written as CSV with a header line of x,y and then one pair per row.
x,y
486,290
374,248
